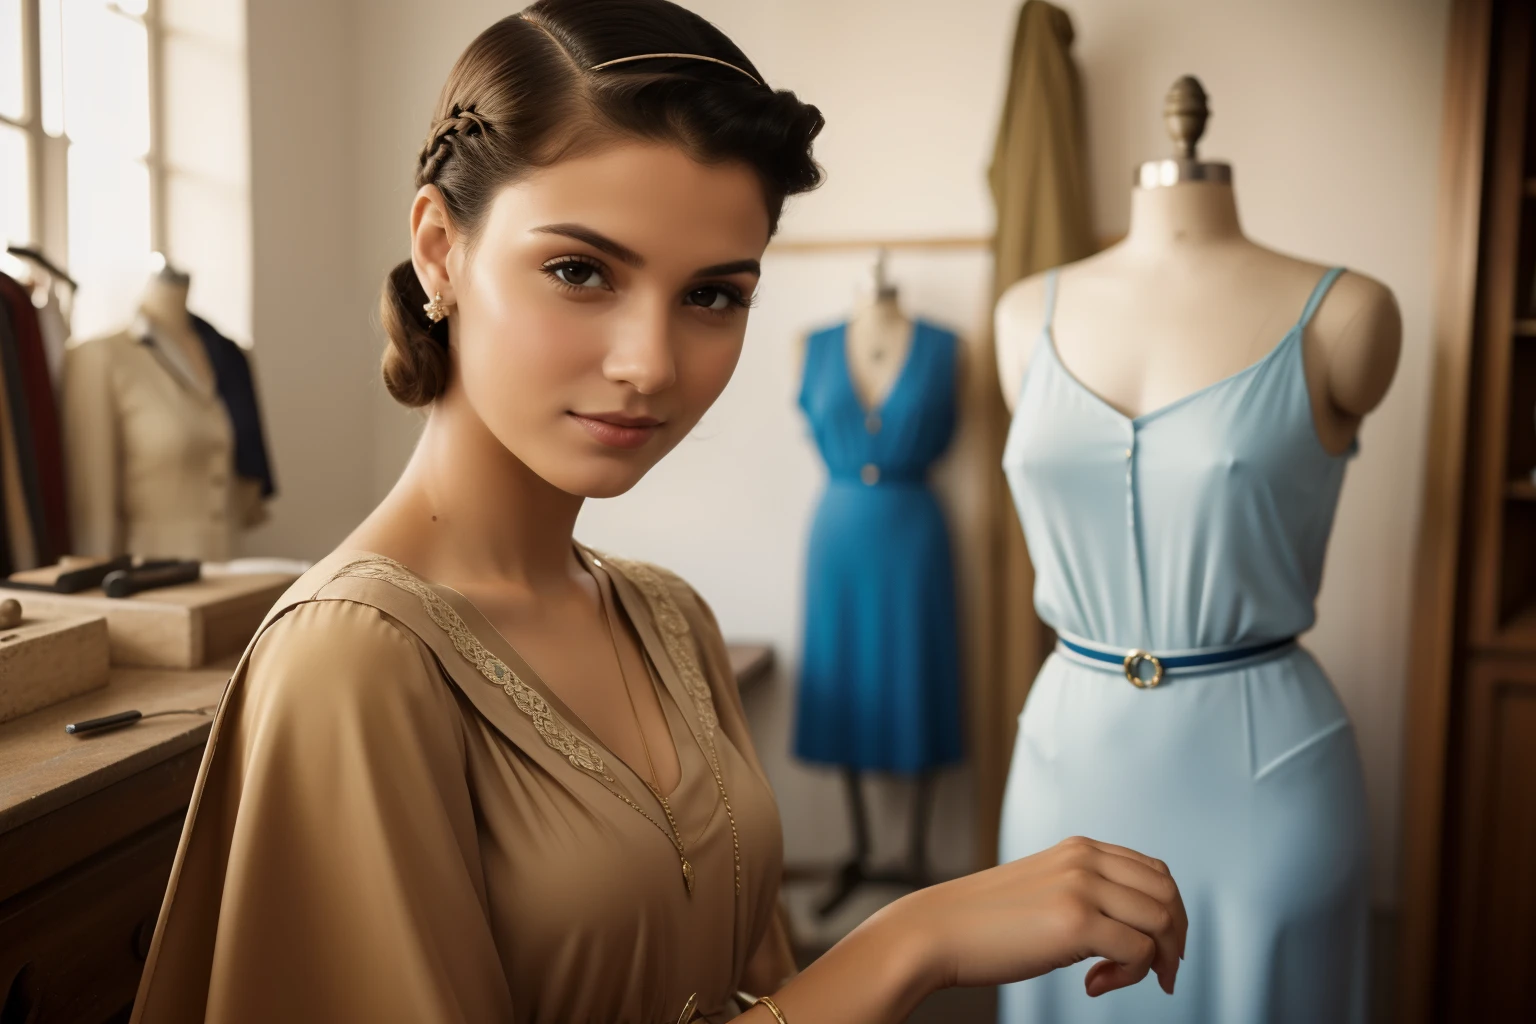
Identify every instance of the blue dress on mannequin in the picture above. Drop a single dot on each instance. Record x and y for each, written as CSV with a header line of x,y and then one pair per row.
x,y
1201,525
879,676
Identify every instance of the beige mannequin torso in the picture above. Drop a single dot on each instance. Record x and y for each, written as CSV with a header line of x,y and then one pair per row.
x,y
164,306
1187,301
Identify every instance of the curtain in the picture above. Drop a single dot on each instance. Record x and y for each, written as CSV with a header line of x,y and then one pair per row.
x,y
1039,185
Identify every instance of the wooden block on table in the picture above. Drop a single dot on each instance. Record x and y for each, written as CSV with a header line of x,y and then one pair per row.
x,y
183,626
47,660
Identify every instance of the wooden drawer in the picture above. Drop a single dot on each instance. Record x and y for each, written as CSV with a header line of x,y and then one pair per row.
x,y
72,948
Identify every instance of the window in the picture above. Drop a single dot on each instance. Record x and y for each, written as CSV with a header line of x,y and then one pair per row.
x,y
79,165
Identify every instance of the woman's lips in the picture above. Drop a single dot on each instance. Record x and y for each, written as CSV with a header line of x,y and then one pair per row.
x,y
618,431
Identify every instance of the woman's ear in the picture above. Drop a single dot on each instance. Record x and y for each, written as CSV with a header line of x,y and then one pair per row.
x,y
432,240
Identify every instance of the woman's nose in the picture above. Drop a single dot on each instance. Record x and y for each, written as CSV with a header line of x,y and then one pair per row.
x,y
641,353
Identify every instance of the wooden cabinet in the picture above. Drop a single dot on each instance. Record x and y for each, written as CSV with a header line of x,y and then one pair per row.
x,y
88,830
1492,887
1468,900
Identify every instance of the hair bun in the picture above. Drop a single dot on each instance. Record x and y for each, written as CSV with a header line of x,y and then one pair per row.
x,y
416,362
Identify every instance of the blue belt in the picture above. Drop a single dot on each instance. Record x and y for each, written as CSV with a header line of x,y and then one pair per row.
x,y
1182,662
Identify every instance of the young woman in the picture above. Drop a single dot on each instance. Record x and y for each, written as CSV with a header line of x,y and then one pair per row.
x,y
472,770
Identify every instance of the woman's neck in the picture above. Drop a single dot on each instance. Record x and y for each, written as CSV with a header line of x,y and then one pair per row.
x,y
469,510
1193,213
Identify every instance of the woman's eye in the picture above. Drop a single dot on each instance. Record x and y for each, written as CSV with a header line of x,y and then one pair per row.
x,y
577,274
715,299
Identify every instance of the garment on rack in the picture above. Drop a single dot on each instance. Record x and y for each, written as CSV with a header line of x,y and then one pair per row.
x,y
20,549
880,669
150,454
35,415
237,389
54,327
1196,527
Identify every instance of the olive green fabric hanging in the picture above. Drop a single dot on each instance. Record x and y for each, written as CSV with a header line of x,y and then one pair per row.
x,y
1039,182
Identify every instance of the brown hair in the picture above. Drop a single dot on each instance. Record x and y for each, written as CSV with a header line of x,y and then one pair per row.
x,y
522,96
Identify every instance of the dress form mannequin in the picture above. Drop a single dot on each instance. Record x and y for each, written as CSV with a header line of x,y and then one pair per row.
x,y
1187,300
876,346
150,443
164,309
1185,405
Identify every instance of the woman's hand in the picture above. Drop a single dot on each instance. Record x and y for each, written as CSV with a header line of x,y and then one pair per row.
x,y
1079,899
1076,900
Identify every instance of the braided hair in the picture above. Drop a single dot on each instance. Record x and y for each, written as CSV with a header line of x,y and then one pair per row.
x,y
461,123
524,95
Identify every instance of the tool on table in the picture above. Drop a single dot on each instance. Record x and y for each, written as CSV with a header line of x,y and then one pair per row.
x,y
123,718
70,576
149,575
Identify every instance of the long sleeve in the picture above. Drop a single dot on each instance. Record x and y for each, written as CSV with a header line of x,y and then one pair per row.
x,y
92,456
332,871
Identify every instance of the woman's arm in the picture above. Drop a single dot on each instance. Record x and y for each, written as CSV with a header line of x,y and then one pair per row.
x,y
331,871
1079,899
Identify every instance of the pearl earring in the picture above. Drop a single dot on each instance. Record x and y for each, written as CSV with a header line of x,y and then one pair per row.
x,y
436,309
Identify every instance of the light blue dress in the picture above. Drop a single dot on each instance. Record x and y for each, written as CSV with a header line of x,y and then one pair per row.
x,y
1199,525
880,666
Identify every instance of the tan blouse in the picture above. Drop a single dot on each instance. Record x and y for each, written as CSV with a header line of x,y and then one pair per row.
x,y
396,820
149,452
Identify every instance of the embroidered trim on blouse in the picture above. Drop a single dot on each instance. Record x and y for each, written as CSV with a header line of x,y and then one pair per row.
x,y
549,725
675,635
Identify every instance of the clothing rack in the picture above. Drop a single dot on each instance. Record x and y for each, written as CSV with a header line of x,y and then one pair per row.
x,y
37,257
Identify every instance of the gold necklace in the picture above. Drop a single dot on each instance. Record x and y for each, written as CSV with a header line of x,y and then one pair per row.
x,y
655,783
714,764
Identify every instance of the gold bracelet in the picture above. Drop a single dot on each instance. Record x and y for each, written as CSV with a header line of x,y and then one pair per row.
x,y
773,1008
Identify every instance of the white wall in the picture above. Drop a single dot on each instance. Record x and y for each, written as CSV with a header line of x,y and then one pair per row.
x,y
315,357
206,114
1328,111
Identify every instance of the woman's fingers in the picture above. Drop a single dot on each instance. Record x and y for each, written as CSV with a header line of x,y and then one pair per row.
x,y
1122,851
1158,886
1130,906
1156,880
1128,955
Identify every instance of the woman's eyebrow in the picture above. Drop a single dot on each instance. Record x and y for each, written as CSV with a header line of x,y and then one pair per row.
x,y
624,254
733,267
597,240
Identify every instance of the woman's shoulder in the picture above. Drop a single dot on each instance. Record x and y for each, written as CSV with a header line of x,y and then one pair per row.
x,y
330,658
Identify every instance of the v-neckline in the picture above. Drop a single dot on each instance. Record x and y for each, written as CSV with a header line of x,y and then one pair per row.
x,y
176,362
878,409
651,649
1048,336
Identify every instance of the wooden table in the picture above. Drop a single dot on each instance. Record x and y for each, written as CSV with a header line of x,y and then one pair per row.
x,y
89,827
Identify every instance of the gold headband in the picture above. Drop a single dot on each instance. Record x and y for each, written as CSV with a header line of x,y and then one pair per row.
x,y
690,56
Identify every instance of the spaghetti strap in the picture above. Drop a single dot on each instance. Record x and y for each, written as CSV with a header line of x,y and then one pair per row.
x,y
1050,298
1316,298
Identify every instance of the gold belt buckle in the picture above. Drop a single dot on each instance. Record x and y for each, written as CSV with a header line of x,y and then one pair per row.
x,y
1133,662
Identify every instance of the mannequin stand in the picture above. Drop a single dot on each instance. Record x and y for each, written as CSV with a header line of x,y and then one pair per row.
x,y
855,871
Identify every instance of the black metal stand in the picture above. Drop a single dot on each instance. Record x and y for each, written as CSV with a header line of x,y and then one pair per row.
x,y
856,871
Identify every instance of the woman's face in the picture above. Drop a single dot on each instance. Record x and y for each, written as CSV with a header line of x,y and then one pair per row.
x,y
602,307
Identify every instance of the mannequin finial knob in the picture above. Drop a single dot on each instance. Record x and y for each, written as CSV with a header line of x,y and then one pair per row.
x,y
1185,112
